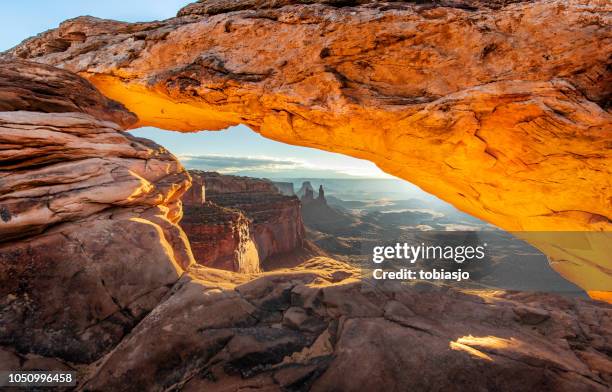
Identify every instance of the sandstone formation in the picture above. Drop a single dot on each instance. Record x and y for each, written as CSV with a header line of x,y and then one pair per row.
x,y
37,87
214,7
317,328
305,191
196,195
308,195
221,238
318,215
286,188
220,184
244,222
88,236
321,195
276,218
501,108
96,277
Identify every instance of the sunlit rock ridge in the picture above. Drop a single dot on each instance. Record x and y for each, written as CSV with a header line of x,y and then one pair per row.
x,y
500,108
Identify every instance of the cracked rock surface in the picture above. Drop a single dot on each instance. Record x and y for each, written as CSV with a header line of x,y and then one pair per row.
x,y
318,327
501,108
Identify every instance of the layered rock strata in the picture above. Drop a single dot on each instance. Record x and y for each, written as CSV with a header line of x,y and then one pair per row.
x,y
221,237
214,7
88,236
500,108
220,184
196,195
276,218
35,87
286,188
248,218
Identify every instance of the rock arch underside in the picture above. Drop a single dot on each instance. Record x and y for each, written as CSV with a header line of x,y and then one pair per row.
x,y
501,108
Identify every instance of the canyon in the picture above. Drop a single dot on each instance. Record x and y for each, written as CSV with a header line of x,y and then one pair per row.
x,y
240,222
373,216
501,108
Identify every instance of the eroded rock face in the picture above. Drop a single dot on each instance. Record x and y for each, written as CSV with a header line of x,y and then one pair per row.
x,y
221,237
61,167
214,7
93,263
217,184
74,292
196,194
276,219
317,328
244,222
286,188
88,236
502,111
37,87
318,215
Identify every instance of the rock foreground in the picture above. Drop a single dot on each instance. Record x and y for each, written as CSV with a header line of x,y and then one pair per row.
x,y
501,108
318,328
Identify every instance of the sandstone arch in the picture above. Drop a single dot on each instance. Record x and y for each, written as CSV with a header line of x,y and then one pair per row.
x,y
502,111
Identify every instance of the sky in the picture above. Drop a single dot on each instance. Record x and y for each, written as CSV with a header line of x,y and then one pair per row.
x,y
24,18
235,151
241,151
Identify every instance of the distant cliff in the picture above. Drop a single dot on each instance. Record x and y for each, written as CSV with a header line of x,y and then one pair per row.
x,y
318,215
286,188
221,237
305,189
239,222
217,183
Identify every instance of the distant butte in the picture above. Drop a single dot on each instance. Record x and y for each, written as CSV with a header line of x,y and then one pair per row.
x,y
242,222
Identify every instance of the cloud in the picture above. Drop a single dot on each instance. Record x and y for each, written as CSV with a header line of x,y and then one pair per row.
x,y
278,167
230,164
